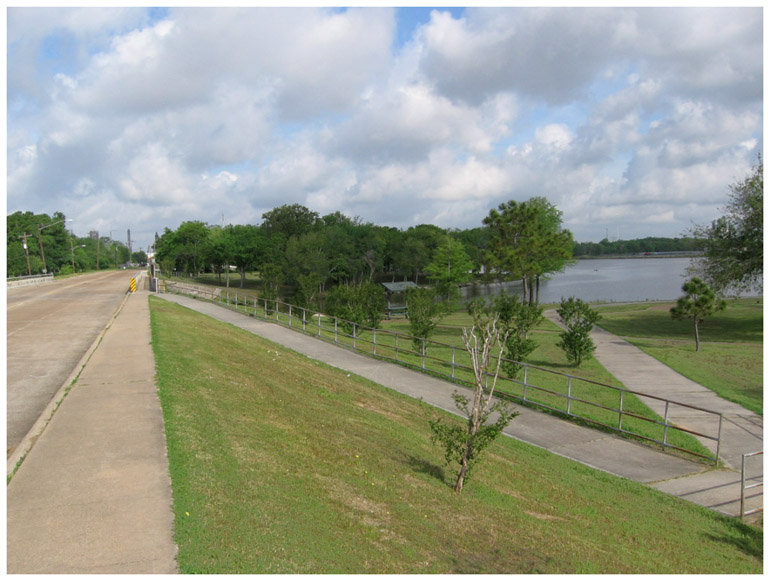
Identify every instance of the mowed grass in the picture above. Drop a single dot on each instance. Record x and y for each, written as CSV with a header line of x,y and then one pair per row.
x,y
730,359
582,394
281,464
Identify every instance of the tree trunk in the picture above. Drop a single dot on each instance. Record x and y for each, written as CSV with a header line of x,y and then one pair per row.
x,y
697,337
464,463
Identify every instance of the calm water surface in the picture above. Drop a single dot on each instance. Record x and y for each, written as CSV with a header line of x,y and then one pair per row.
x,y
606,280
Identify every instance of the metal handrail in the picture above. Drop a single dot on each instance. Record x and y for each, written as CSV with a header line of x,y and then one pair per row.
x,y
745,487
267,312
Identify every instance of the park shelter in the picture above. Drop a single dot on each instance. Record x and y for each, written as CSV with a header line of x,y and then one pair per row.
x,y
395,295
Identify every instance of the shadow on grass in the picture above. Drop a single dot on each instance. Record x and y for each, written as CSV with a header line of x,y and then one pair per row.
x,y
424,467
741,536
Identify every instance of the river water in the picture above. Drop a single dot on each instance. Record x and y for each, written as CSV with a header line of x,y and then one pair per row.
x,y
605,280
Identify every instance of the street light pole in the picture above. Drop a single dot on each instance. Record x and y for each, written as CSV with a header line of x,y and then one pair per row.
x,y
72,251
26,250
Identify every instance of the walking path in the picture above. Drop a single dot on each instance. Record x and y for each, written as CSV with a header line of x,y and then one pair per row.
x,y
716,489
93,494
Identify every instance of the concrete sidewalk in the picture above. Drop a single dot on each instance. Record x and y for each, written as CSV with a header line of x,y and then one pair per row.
x,y
715,489
93,495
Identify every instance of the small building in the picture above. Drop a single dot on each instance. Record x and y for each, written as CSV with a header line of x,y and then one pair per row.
x,y
396,299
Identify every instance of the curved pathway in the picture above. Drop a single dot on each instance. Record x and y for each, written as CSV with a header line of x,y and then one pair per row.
x,y
742,430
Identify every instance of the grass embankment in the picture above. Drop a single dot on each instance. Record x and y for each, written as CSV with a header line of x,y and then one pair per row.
x,y
280,464
547,388
730,359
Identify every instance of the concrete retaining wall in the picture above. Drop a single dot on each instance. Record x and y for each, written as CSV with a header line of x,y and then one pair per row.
x,y
28,280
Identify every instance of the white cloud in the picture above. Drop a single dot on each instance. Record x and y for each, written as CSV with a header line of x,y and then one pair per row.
x,y
635,118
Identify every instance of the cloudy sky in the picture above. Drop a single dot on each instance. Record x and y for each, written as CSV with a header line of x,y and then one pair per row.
x,y
633,122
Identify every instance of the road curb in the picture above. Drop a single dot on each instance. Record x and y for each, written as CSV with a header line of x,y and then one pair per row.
x,y
28,441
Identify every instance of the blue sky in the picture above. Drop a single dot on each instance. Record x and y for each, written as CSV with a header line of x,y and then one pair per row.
x,y
629,120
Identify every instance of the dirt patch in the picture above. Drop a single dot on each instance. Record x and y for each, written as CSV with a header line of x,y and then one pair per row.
x,y
542,516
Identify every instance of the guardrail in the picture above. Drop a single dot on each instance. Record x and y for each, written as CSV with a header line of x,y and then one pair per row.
x,y
16,281
745,487
610,407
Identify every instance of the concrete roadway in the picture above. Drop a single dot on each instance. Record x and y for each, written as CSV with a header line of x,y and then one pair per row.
x,y
50,328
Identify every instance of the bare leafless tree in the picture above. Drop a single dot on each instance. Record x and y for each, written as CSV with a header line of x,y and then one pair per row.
x,y
464,444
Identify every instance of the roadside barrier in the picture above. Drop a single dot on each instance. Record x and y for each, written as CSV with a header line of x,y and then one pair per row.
x,y
607,406
17,281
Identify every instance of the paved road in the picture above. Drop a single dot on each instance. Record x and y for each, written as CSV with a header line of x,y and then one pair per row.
x,y
50,327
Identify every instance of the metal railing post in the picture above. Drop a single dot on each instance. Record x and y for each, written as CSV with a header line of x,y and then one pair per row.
x,y
453,362
336,340
524,391
665,425
743,485
569,396
620,411
423,353
354,337
719,440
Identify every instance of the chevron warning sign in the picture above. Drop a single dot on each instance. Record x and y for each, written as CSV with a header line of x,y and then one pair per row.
x,y
133,285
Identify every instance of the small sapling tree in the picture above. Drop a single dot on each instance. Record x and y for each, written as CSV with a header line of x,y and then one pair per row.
x,y
516,319
463,444
424,311
579,319
698,303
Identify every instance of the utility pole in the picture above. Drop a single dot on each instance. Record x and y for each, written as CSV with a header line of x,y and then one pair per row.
x,y
97,251
26,251
40,243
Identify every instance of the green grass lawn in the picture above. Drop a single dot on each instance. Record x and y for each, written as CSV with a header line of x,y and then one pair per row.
x,y
730,359
281,464
547,384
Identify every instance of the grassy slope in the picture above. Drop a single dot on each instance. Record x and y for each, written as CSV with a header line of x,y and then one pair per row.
x,y
280,464
730,359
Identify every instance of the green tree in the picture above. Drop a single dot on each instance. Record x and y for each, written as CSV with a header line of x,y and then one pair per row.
x,y
516,320
36,230
449,267
245,241
139,257
527,242
424,311
579,318
734,242
464,444
306,266
289,220
190,242
698,302
363,304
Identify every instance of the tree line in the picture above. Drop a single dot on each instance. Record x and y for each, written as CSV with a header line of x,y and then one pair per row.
x,y
606,247
297,249
39,243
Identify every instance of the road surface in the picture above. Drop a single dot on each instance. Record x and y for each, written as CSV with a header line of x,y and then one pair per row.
x,y
49,329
